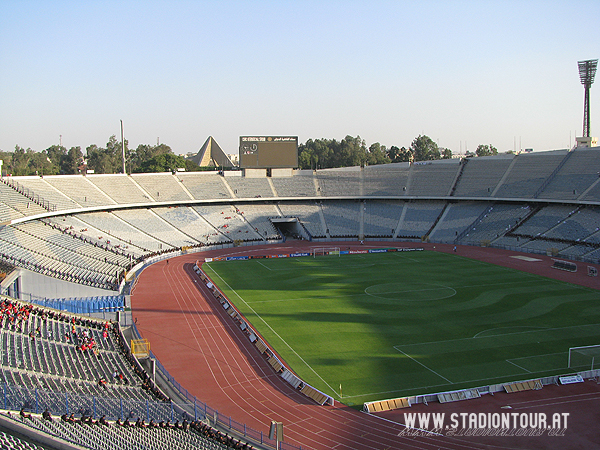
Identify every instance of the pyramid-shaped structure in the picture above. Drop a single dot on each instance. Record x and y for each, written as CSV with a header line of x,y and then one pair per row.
x,y
211,154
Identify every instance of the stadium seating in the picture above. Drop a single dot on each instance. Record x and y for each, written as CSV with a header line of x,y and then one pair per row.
x,y
308,213
296,186
205,185
80,190
341,218
249,187
387,180
418,217
121,189
189,222
429,179
382,217
481,176
527,173
578,173
397,201
536,202
162,187
130,435
339,183
456,219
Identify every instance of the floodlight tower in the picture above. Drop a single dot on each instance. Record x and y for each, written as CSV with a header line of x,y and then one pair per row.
x,y
587,71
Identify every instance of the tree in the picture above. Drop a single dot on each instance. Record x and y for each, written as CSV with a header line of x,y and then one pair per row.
x,y
20,160
352,152
109,159
71,161
55,154
397,155
446,153
144,152
424,149
40,164
377,154
486,150
166,162
317,154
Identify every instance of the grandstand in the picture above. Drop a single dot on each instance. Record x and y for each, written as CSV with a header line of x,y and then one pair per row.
x,y
88,237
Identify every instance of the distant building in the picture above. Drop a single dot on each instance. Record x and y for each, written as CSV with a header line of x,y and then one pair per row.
x,y
587,141
211,155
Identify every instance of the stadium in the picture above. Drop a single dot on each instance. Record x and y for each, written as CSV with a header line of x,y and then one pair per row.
x,y
146,297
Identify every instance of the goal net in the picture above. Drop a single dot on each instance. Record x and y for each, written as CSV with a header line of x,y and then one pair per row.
x,y
324,251
584,358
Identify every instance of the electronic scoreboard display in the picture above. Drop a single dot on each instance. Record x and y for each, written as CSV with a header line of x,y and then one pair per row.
x,y
266,152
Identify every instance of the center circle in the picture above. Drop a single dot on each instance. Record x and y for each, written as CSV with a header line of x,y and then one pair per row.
x,y
410,291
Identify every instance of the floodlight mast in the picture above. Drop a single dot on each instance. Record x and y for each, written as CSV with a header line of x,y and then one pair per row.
x,y
587,72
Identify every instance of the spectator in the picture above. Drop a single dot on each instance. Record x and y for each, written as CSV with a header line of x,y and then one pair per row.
x,y
46,415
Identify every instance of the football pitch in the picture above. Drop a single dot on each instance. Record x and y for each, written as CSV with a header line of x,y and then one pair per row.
x,y
387,325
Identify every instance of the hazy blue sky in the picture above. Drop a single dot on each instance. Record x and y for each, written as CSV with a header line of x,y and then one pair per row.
x,y
461,72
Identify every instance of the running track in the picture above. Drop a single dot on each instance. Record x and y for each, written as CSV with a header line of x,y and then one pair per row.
x,y
208,354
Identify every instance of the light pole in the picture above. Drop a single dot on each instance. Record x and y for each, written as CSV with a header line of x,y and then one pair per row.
x,y
587,71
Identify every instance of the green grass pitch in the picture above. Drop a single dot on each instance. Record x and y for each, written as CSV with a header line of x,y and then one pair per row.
x,y
387,325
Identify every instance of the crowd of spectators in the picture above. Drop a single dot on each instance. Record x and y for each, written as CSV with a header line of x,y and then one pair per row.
x,y
215,435
15,316
197,426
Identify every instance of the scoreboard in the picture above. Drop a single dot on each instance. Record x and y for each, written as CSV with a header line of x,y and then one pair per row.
x,y
266,152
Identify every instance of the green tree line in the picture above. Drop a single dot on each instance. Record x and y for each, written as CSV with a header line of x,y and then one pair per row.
x,y
353,151
57,159
313,154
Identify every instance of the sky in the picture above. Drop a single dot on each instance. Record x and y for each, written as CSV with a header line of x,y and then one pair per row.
x,y
461,72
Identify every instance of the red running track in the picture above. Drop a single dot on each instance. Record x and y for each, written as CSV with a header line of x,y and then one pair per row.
x,y
199,344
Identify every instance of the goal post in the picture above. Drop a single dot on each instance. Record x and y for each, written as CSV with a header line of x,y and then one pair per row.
x,y
584,358
324,251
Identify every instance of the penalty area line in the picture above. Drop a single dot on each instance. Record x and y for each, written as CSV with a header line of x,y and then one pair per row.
x,y
423,365
522,368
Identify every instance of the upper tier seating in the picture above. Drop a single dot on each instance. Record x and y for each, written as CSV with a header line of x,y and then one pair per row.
x,y
204,185
296,186
121,188
528,173
481,176
389,179
579,172
432,178
249,187
54,196
162,187
339,183
14,205
79,189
